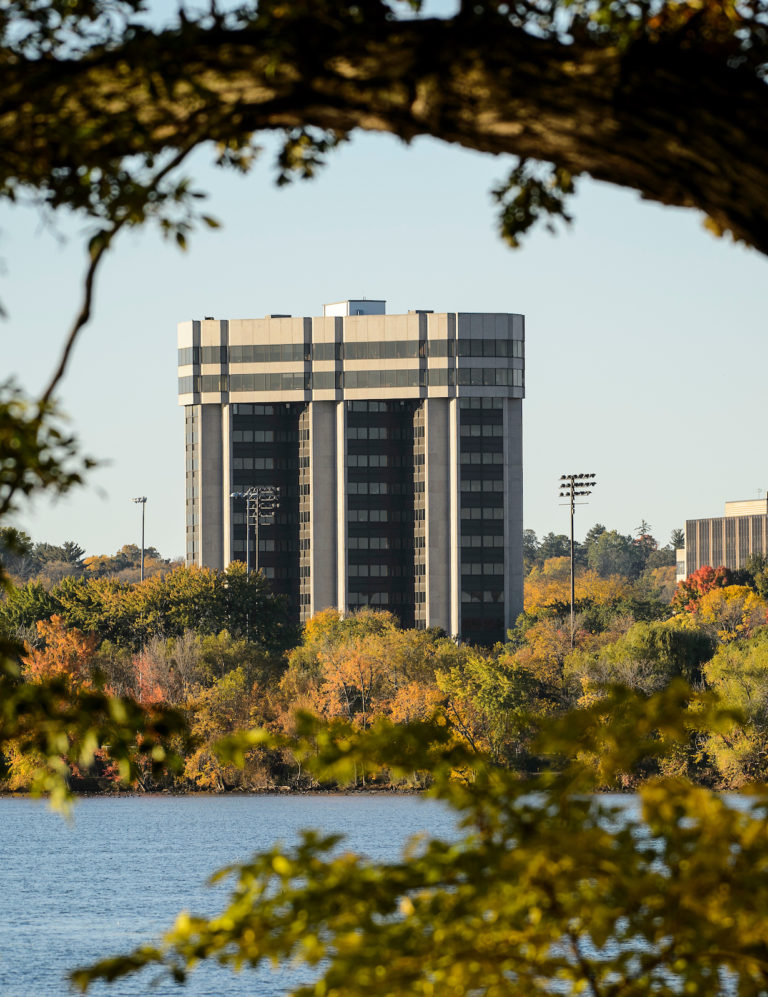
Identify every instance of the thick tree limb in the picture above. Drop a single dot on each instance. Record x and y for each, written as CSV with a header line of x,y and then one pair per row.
x,y
678,123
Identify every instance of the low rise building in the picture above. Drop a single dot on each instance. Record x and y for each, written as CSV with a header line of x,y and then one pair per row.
x,y
726,540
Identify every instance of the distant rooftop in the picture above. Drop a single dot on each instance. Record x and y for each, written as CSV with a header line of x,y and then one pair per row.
x,y
747,507
356,306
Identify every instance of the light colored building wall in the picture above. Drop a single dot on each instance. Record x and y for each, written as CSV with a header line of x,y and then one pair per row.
x,y
211,512
747,507
356,306
342,587
213,332
375,327
324,507
513,510
440,511
455,520
226,484
188,334
723,540
680,569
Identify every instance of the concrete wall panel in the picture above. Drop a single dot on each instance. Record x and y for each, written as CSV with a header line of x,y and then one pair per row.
x,y
324,516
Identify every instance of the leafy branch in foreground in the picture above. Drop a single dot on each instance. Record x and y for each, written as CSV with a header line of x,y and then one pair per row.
x,y
530,194
52,725
126,201
546,885
36,454
48,722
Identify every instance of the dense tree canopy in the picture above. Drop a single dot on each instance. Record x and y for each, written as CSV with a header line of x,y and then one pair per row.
x,y
164,605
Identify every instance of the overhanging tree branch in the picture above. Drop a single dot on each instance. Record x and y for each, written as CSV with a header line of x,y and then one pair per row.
x,y
681,118
97,248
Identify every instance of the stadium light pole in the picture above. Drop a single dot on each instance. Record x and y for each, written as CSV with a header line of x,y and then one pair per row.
x,y
261,504
142,500
573,486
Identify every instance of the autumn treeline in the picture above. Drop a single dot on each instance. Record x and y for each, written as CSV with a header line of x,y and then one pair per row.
x,y
712,632
26,560
216,646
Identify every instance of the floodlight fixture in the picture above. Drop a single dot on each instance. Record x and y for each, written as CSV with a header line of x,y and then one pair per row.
x,y
261,504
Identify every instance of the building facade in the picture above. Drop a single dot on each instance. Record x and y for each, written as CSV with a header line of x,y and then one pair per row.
x,y
396,443
725,540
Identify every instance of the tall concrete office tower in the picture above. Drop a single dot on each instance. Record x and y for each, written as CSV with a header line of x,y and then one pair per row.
x,y
396,443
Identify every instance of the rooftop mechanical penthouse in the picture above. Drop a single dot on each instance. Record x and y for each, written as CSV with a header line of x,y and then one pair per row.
x,y
395,442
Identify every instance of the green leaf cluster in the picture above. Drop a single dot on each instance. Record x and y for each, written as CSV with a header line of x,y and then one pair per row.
x,y
545,887
129,614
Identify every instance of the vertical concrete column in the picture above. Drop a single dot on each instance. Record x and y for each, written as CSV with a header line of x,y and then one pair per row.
x,y
226,482
211,544
454,513
437,512
341,507
513,510
323,506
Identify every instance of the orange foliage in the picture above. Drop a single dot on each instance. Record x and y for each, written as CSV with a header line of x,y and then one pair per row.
x,y
151,680
542,657
546,641
167,671
65,652
353,676
298,690
360,667
414,701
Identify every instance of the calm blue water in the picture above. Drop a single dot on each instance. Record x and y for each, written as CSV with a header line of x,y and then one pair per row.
x,y
118,875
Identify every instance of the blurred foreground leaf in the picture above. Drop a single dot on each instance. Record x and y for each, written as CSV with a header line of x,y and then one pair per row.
x,y
53,725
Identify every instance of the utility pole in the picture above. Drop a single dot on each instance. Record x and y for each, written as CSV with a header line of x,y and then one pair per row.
x,y
572,486
142,500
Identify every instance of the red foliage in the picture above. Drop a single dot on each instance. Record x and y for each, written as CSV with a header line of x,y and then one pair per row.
x,y
689,592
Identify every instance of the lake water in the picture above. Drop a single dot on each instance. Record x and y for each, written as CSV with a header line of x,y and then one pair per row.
x,y
116,876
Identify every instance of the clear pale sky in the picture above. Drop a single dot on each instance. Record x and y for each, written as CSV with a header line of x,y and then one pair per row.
x,y
646,345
